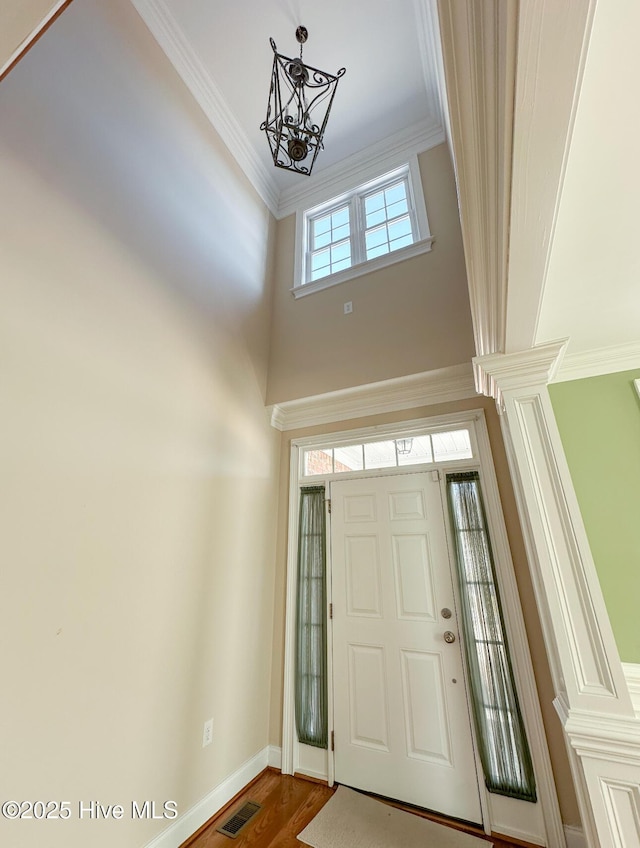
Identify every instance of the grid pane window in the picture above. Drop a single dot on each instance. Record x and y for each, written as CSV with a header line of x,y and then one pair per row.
x,y
388,223
370,221
445,446
330,242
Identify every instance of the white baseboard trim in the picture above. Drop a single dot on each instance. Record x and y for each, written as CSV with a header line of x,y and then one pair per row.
x,y
575,837
275,756
515,833
187,823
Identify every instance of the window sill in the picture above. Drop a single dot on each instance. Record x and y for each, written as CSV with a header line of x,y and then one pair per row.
x,y
419,247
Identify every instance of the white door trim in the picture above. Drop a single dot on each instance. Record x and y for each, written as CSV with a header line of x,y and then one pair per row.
x,y
554,836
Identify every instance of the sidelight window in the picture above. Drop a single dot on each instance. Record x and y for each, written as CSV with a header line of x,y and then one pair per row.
x,y
311,621
502,742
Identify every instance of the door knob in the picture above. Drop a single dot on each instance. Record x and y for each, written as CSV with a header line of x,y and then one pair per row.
x,y
449,637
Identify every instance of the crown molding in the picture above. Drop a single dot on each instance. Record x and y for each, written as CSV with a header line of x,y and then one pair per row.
x,y
200,83
428,32
479,42
415,390
361,167
616,737
599,361
499,372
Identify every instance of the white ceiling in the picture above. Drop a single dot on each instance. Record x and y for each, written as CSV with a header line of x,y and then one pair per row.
x,y
592,290
222,52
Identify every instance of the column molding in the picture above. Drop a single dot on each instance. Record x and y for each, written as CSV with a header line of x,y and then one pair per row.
x,y
592,695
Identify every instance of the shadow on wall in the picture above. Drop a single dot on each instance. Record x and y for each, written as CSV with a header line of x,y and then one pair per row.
x,y
99,114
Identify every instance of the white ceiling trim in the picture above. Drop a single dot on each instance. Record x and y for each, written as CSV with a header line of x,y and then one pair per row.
x,y
439,386
501,372
428,31
430,8
198,80
361,167
595,363
479,59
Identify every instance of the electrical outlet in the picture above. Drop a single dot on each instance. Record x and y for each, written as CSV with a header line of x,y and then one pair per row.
x,y
348,308
207,733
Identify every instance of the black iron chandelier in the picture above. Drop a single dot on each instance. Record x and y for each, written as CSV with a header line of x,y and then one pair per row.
x,y
300,100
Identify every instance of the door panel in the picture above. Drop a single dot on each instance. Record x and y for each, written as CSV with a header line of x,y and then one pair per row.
x,y
401,719
362,575
368,719
415,592
423,688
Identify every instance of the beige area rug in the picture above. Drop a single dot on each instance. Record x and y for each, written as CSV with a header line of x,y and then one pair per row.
x,y
352,820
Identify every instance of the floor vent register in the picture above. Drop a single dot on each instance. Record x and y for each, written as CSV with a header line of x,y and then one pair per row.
x,y
239,819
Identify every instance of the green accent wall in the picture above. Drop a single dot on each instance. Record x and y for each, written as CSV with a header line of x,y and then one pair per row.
x,y
599,423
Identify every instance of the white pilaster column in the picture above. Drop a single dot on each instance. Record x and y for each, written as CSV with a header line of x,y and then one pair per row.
x,y
592,697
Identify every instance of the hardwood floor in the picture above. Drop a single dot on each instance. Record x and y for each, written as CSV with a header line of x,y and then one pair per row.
x,y
288,805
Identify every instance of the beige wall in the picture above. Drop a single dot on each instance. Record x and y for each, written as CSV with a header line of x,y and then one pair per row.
x,y
140,479
20,20
409,317
564,783
139,473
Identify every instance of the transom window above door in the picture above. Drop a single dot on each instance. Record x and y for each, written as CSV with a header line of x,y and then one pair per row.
x,y
421,449
382,221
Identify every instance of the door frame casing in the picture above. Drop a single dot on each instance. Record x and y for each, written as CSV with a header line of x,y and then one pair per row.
x,y
553,836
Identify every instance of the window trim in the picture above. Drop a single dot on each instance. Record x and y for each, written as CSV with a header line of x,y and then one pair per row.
x,y
353,196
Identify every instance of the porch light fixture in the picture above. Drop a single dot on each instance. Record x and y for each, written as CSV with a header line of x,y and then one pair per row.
x,y
404,446
300,100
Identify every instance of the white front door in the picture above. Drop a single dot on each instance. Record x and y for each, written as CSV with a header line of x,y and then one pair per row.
x,y
401,719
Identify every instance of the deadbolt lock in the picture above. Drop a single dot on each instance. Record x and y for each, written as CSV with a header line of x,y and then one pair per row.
x,y
445,613
449,637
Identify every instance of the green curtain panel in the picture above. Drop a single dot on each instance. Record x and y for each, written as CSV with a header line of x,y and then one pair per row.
x,y
504,750
311,621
